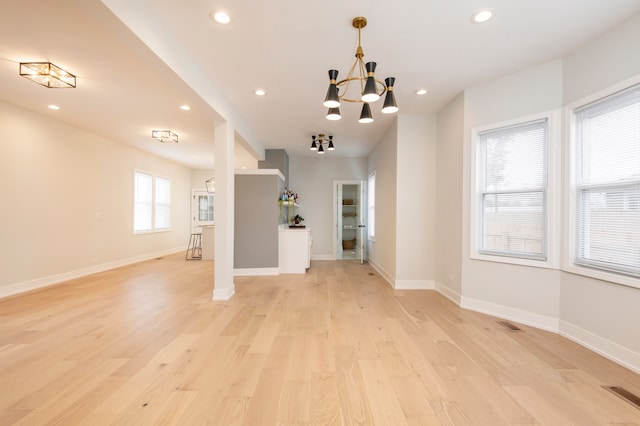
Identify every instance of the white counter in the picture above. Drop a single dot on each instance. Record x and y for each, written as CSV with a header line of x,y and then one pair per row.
x,y
294,249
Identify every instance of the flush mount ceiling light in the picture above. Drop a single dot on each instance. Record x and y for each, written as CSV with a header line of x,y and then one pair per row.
x,y
221,17
370,88
318,142
482,15
47,74
164,136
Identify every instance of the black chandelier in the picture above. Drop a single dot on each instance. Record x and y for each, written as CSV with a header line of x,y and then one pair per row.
x,y
318,142
371,89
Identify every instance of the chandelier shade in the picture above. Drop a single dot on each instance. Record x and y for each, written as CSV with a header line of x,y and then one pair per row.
x,y
332,100
365,114
360,85
334,114
389,106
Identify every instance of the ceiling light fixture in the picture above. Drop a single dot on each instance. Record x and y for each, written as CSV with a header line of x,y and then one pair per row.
x,y
482,15
371,89
164,136
259,92
317,143
53,107
47,74
211,185
421,92
220,16
185,107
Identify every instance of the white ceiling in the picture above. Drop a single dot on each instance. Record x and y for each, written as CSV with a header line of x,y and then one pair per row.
x,y
285,47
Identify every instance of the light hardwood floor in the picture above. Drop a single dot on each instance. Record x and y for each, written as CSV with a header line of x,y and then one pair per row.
x,y
145,344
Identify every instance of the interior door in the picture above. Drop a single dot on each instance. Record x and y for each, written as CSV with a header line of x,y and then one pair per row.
x,y
361,225
202,210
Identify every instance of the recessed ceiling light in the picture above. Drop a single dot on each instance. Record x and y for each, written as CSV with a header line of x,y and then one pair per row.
x,y
185,107
482,15
259,92
220,16
421,92
54,107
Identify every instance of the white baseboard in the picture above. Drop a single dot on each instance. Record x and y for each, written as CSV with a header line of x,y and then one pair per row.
x,y
608,349
414,285
381,271
224,293
323,257
506,312
254,272
448,293
22,287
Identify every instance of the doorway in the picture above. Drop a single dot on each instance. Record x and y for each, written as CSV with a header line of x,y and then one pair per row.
x,y
349,236
202,210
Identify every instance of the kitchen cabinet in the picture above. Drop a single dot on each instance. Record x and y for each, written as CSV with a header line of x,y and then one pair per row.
x,y
294,250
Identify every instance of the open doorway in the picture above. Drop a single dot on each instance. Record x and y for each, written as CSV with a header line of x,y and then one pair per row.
x,y
349,236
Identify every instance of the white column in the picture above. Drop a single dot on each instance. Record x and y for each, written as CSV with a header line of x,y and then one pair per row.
x,y
224,211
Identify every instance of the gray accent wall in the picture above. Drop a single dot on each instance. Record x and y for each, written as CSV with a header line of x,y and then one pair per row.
x,y
256,219
276,159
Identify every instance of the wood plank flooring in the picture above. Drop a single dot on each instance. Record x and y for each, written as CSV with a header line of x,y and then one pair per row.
x,y
145,344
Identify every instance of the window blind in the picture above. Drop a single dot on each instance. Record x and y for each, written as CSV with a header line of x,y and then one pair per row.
x,y
607,143
512,189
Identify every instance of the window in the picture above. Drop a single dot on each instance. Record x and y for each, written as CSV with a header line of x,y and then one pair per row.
x,y
371,218
511,181
606,144
152,202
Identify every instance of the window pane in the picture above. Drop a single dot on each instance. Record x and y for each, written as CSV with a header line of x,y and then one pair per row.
x,y
514,157
512,169
609,234
142,211
205,208
608,183
514,223
163,195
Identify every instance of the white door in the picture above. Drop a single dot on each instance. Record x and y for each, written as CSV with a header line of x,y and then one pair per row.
x,y
348,220
202,210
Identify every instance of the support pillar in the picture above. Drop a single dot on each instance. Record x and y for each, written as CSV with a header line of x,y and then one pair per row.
x,y
224,145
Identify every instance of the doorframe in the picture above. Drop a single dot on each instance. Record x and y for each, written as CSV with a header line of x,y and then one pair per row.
x,y
363,201
194,209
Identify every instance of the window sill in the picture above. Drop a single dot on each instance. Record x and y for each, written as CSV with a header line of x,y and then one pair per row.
x,y
546,264
151,231
602,275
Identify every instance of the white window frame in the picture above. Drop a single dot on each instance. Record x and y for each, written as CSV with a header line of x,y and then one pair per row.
x,y
154,203
552,193
371,207
570,206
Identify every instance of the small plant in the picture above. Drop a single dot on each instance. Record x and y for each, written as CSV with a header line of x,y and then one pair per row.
x,y
297,219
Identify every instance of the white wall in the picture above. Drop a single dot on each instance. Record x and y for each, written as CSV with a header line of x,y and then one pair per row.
x,y
67,202
199,177
605,61
532,294
598,313
382,251
312,179
415,202
448,237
